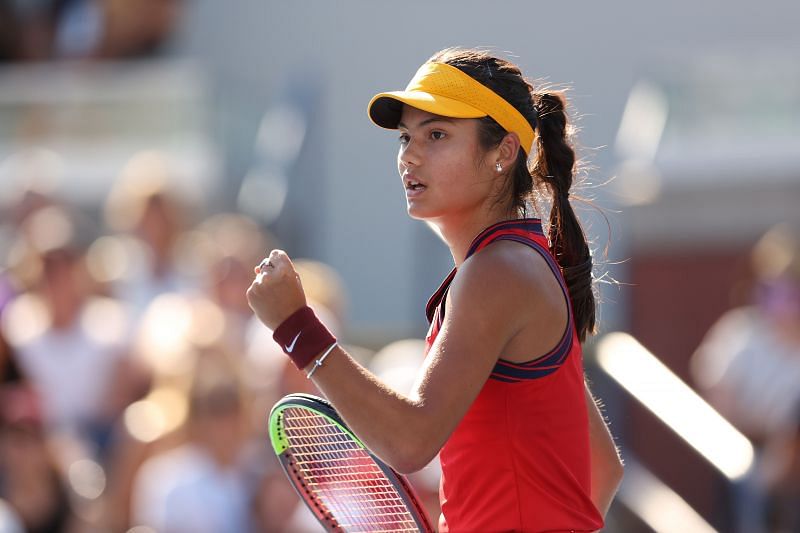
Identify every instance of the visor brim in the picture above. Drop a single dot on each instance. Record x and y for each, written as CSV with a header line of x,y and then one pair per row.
x,y
385,109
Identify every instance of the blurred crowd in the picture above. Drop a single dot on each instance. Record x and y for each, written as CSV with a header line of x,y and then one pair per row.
x,y
42,30
136,382
748,367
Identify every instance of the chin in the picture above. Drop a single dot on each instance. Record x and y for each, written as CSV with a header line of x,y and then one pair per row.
x,y
425,212
416,213
420,209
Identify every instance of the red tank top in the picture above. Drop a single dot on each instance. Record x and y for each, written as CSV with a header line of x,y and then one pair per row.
x,y
519,459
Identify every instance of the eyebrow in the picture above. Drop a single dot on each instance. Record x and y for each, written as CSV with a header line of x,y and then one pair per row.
x,y
427,121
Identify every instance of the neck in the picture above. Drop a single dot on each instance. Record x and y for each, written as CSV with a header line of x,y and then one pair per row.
x,y
459,232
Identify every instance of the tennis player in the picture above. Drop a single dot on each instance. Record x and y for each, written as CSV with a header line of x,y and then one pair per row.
x,y
501,397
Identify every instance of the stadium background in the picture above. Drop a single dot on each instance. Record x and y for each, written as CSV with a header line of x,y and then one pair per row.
x,y
689,118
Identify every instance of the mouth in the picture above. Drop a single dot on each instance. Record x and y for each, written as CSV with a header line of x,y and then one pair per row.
x,y
412,184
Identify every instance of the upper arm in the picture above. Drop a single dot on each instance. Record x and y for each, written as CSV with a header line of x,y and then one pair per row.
x,y
484,312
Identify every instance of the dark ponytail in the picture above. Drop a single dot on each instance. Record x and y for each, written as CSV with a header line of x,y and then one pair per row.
x,y
551,169
553,166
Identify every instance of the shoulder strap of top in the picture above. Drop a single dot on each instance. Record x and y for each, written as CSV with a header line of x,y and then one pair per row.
x,y
529,233
528,230
527,227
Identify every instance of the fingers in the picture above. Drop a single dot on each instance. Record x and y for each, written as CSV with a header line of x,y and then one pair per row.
x,y
276,292
281,264
263,265
276,265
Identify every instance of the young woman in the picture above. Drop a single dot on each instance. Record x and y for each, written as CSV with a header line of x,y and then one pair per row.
x,y
501,396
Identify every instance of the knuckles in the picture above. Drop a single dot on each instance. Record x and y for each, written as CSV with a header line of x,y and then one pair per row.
x,y
274,288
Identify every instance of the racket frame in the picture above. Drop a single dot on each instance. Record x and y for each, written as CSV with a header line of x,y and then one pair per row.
x,y
280,445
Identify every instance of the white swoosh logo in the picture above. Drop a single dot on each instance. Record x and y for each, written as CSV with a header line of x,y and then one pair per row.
x,y
290,347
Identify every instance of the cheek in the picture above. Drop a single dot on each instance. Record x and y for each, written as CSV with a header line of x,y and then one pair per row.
x,y
462,167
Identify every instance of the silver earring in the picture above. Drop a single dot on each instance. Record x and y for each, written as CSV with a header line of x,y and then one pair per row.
x,y
499,167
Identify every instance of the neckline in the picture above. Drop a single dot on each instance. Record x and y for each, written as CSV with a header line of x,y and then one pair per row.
x,y
530,224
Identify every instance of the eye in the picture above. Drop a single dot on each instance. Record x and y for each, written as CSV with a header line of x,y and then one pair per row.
x,y
404,138
438,135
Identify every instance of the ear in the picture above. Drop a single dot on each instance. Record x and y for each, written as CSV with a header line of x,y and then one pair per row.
x,y
508,150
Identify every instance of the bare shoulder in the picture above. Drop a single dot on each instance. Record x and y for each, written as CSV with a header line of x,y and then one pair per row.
x,y
512,287
510,269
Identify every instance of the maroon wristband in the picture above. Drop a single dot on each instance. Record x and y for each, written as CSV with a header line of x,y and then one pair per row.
x,y
302,337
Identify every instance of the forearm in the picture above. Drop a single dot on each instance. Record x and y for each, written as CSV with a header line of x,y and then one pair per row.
x,y
390,424
607,467
405,431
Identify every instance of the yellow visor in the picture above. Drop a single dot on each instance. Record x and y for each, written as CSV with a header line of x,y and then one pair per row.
x,y
444,90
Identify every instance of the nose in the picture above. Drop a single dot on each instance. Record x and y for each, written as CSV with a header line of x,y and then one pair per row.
x,y
408,155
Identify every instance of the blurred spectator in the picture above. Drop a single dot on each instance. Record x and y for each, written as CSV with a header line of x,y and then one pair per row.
x,y
749,367
783,509
9,520
30,478
8,33
32,30
172,330
67,340
30,178
171,426
205,483
9,370
135,28
226,247
150,216
10,373
278,509
749,363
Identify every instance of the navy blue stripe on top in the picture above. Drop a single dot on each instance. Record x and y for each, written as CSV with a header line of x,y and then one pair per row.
x,y
507,371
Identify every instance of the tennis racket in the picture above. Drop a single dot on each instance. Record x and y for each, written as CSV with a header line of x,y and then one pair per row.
x,y
342,483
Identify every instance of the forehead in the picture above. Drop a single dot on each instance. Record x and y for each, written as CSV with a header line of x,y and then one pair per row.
x,y
411,117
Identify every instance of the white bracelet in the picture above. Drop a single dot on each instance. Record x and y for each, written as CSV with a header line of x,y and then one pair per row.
x,y
321,359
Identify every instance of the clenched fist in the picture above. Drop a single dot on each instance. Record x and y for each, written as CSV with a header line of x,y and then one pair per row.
x,y
276,291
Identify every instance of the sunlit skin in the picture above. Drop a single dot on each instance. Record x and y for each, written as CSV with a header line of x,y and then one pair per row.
x,y
443,154
460,181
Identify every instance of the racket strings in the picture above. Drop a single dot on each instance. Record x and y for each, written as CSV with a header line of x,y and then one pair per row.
x,y
342,477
